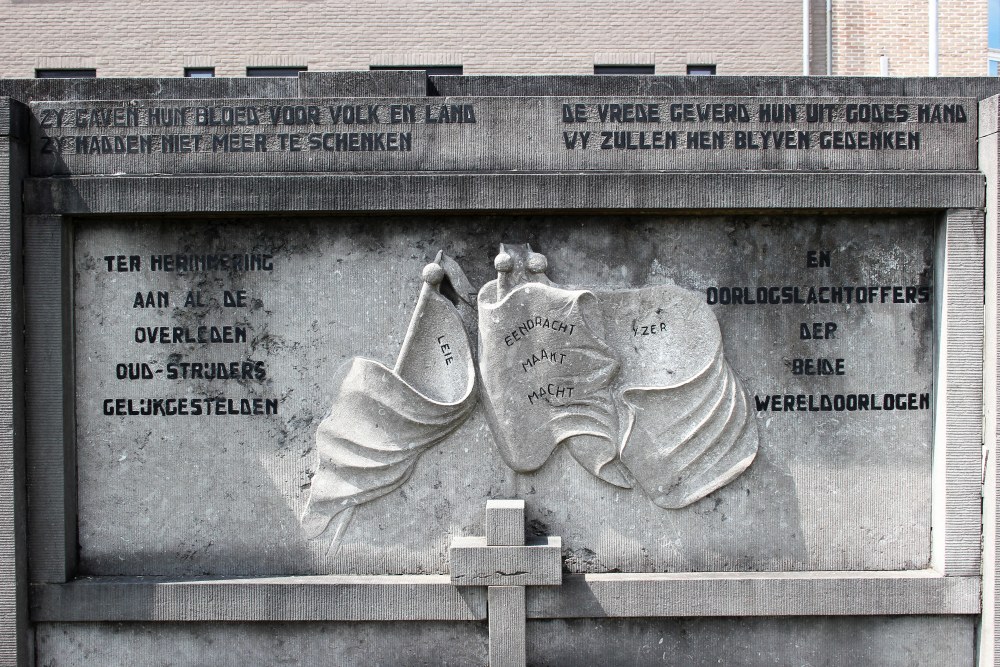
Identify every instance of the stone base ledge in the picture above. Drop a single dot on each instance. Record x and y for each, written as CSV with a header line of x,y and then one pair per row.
x,y
433,597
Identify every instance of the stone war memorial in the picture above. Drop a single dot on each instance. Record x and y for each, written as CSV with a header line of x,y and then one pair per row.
x,y
371,368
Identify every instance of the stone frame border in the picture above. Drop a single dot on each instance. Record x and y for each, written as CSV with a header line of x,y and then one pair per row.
x,y
15,640
293,193
433,597
951,585
989,164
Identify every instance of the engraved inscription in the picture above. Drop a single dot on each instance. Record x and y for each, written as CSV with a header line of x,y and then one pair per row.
x,y
182,343
503,134
827,335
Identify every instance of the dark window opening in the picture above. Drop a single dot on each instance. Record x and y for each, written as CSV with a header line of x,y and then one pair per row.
x,y
624,69
275,71
701,70
65,73
199,72
430,70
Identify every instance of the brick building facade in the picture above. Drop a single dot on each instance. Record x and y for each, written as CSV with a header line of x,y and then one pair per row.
x,y
160,38
865,30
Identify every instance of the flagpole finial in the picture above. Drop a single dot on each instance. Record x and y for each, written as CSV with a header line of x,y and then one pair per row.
x,y
503,262
517,265
433,274
537,262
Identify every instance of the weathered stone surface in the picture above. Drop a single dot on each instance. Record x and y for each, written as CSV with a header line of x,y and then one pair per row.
x,y
384,418
503,134
183,495
145,88
14,642
404,83
989,160
142,645
507,626
505,522
434,597
475,563
186,416
926,641
344,84
510,192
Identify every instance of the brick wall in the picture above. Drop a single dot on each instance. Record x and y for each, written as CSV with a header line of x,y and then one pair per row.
x,y
865,30
963,38
158,38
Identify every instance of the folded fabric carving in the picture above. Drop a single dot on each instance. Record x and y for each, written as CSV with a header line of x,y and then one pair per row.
x,y
633,381
383,419
547,376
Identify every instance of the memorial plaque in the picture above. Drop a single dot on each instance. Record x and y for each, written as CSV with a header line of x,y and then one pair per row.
x,y
208,354
374,377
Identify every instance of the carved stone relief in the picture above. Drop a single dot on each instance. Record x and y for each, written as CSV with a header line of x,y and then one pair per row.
x,y
383,419
634,382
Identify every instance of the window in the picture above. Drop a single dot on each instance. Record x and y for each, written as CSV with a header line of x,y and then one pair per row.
x,y
275,71
431,70
701,70
65,73
199,72
993,24
624,69
994,67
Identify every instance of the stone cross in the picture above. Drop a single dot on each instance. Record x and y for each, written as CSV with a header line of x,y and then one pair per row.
x,y
506,564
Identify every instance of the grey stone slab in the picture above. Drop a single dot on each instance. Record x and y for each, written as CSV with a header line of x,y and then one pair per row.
x,y
51,464
987,126
756,594
511,192
13,122
328,598
5,116
834,86
11,464
13,503
989,161
505,523
958,446
844,511
930,641
474,563
415,597
106,88
187,495
425,644
402,83
499,134
507,626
